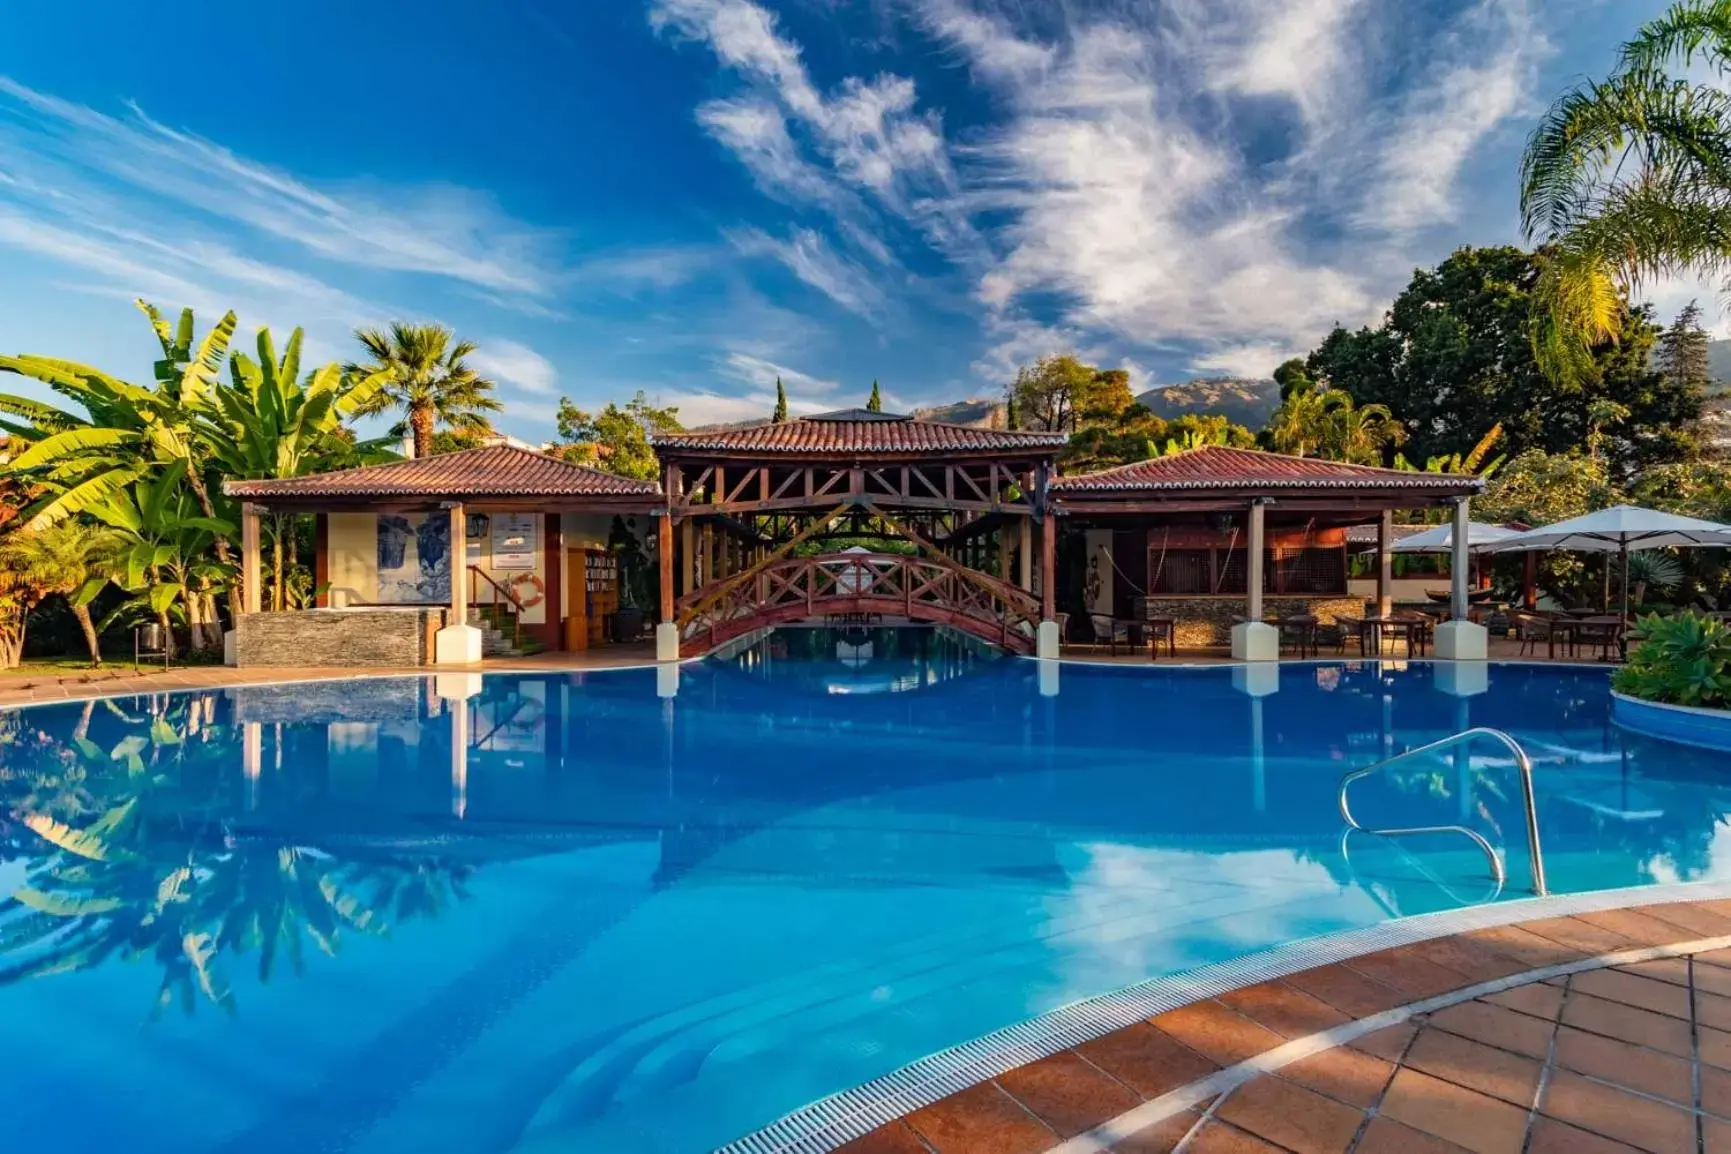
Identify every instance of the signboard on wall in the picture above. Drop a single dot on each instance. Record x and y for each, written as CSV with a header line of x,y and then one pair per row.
x,y
514,540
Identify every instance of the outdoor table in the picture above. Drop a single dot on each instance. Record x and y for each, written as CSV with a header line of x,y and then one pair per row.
x,y
1370,632
1161,628
1302,628
1605,630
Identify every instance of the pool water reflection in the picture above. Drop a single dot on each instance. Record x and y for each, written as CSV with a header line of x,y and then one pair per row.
x,y
624,914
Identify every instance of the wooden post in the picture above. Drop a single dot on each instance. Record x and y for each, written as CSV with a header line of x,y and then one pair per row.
x,y
687,555
664,555
1253,563
1027,555
1003,539
706,557
1530,581
251,578
459,566
1048,566
1385,564
321,560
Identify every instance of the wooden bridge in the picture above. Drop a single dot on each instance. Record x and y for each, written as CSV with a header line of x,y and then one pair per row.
x,y
888,585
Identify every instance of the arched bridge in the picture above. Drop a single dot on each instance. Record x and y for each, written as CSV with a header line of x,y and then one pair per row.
x,y
889,585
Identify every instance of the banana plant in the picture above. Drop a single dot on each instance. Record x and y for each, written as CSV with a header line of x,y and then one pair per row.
x,y
165,555
268,421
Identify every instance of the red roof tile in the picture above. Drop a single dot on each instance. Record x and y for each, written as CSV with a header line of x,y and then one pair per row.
x,y
848,432
493,471
1219,467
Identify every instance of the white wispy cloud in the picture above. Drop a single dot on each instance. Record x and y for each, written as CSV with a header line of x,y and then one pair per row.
x,y
764,374
811,258
516,364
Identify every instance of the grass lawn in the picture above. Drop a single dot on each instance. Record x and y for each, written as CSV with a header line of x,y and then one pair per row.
x,y
57,667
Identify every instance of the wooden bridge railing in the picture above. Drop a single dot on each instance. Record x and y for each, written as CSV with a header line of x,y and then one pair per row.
x,y
890,584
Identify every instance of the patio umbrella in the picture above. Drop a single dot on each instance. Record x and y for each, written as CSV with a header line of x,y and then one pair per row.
x,y
1440,539
1619,529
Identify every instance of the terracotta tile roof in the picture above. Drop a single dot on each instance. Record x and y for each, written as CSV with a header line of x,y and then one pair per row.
x,y
1218,467
493,471
848,432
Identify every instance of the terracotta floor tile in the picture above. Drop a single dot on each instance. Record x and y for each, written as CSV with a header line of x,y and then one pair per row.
x,y
1477,961
1712,1009
1386,1136
1496,1026
1534,999
1638,927
1550,1136
981,1120
1716,1091
1717,1136
1287,1011
1464,1117
1648,1071
1219,1138
1615,1020
1511,1077
1344,1074
1700,921
1291,1116
1411,973
1217,1033
1162,1137
896,1138
1146,1060
1713,979
1721,958
1580,935
1617,1114
1634,990
1715,1047
1673,970
1388,1043
1348,990
1067,1093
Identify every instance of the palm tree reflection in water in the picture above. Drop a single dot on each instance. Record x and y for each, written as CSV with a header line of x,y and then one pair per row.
x,y
130,854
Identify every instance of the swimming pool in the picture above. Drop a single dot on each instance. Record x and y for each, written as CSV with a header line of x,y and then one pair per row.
x,y
624,915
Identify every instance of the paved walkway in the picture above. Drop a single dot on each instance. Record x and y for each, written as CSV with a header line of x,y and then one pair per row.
x,y
23,688
1600,1033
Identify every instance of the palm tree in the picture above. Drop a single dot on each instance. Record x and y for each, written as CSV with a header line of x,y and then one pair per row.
x,y
1628,179
425,375
69,559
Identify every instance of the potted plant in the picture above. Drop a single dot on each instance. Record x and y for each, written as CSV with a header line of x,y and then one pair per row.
x,y
1677,684
635,591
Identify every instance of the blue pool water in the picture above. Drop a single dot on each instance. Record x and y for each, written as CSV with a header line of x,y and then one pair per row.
x,y
298,919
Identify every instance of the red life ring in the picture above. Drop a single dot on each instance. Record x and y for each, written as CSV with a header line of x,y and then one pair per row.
x,y
516,585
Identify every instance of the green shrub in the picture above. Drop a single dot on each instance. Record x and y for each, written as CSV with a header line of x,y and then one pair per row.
x,y
1684,660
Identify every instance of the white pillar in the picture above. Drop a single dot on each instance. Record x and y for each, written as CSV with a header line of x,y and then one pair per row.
x,y
251,577
1459,639
458,643
1254,639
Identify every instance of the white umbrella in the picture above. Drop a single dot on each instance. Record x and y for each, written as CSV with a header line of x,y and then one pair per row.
x,y
1440,539
1618,530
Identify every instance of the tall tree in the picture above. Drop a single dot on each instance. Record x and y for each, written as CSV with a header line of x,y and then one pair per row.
x,y
1454,356
616,439
427,375
875,404
1684,355
70,559
1050,393
780,417
1628,179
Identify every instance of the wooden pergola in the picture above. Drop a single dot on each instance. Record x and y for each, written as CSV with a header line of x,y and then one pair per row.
x,y
740,502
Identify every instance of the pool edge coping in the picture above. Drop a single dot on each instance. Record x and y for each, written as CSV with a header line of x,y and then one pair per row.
x,y
836,1119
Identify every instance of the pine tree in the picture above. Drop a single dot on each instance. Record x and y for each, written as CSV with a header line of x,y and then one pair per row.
x,y
780,417
876,404
1682,353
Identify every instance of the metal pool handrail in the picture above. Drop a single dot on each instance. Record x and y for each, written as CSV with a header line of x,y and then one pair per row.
x,y
1522,763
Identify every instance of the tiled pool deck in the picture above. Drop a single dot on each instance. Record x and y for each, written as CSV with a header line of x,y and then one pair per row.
x,y
1601,1032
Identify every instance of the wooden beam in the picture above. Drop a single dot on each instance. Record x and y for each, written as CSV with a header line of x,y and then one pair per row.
x,y
664,549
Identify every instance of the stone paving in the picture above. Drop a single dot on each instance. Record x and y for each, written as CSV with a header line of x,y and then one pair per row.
x,y
1615,1057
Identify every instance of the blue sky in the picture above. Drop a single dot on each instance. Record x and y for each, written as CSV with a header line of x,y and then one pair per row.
x,y
693,196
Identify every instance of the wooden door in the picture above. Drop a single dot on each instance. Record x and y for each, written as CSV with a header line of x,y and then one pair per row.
x,y
576,615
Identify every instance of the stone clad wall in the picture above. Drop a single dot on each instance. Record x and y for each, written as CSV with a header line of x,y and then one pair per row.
x,y
394,638
1207,621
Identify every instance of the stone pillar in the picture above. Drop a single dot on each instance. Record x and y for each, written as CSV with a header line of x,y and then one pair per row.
x,y
1385,564
1459,639
458,643
1254,639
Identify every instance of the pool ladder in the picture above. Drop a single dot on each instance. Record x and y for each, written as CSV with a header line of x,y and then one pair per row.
x,y
1522,762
